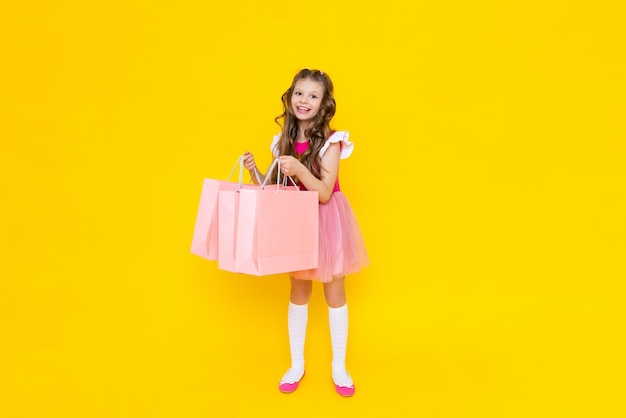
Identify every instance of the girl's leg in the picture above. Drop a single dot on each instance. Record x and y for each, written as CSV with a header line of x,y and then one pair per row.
x,y
335,294
300,291
297,317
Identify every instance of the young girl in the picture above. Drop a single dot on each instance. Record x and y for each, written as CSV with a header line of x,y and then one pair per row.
x,y
309,151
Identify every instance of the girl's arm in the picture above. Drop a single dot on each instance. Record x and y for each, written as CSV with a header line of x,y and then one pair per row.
x,y
290,166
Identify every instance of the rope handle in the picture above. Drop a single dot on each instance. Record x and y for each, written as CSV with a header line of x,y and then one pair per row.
x,y
275,163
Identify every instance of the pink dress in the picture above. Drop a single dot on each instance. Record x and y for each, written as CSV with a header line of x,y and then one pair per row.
x,y
341,246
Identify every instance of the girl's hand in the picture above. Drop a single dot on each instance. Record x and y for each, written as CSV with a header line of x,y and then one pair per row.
x,y
289,165
248,161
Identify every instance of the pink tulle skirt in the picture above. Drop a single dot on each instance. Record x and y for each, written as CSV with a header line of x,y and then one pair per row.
x,y
341,246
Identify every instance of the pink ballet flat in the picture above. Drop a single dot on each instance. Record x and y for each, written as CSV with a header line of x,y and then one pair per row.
x,y
345,391
290,387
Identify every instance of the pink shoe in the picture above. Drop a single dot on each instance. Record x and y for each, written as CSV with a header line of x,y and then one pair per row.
x,y
345,391
290,387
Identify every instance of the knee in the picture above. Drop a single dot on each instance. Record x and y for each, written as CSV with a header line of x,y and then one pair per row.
x,y
300,292
335,296
336,301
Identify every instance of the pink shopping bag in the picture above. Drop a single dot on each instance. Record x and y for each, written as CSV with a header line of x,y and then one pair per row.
x,y
204,240
269,230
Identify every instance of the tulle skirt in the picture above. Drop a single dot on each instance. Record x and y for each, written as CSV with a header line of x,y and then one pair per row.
x,y
341,246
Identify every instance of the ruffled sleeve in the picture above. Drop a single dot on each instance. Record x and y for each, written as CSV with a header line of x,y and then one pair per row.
x,y
342,137
274,146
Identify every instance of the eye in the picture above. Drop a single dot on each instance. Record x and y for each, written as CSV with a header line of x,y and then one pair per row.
x,y
313,96
297,93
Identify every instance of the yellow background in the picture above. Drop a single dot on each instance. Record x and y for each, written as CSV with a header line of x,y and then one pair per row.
x,y
488,178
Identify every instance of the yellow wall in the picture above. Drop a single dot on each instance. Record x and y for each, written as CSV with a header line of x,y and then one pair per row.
x,y
488,178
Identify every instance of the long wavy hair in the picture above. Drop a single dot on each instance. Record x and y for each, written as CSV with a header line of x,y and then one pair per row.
x,y
317,133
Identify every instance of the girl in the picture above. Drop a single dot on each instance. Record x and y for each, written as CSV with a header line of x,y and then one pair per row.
x,y
310,152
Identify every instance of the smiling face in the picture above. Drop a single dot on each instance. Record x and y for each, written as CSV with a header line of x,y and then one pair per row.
x,y
306,100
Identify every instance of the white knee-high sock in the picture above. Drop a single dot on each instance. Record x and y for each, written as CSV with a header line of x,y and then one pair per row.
x,y
338,320
297,317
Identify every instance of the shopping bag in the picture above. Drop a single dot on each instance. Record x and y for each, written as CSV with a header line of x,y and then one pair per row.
x,y
268,230
204,240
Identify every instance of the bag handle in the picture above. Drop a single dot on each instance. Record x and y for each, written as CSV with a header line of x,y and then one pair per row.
x,y
276,163
239,163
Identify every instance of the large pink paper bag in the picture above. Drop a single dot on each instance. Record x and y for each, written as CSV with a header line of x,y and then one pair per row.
x,y
268,231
